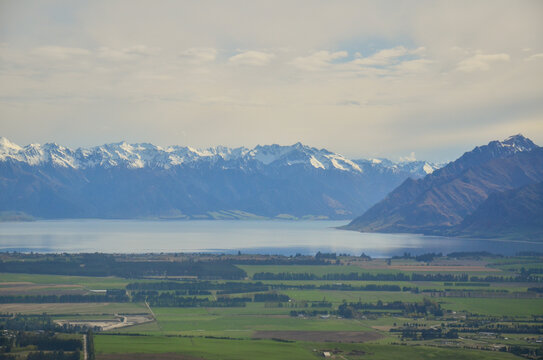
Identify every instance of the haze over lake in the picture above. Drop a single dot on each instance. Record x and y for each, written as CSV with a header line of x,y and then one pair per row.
x,y
267,237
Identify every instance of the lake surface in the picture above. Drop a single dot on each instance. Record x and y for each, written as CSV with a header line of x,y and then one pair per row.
x,y
223,236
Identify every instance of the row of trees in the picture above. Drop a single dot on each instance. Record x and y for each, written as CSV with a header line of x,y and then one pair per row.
x,y
354,276
55,355
49,346
168,299
171,300
36,322
355,310
90,345
47,341
427,334
228,287
110,265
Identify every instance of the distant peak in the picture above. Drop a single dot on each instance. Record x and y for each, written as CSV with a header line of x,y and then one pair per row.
x,y
519,141
517,138
6,144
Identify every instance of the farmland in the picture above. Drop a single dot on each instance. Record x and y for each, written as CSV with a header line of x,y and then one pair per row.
x,y
476,306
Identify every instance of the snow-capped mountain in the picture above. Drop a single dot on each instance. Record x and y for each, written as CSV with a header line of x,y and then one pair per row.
x,y
122,180
148,155
415,168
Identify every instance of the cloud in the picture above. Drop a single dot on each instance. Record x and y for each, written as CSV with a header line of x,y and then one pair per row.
x,y
349,103
252,58
152,73
318,60
59,52
383,57
413,66
535,57
126,54
200,54
409,158
481,62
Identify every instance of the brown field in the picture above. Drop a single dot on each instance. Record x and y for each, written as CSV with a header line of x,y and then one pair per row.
x,y
74,308
442,268
26,288
165,356
320,336
105,325
437,265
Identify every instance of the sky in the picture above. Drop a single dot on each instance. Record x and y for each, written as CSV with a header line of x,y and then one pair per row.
x,y
397,79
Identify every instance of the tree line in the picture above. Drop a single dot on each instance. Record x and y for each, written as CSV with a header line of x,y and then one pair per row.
x,y
48,344
192,286
354,276
111,265
355,310
171,300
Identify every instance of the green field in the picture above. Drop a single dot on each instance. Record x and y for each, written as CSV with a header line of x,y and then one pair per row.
x,y
88,282
308,320
218,323
266,349
496,307
353,296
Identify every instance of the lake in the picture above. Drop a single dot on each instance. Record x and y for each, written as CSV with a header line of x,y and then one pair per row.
x,y
223,236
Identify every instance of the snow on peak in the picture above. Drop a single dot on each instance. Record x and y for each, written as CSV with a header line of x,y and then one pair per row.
x,y
140,155
428,169
299,154
316,163
8,146
518,143
414,168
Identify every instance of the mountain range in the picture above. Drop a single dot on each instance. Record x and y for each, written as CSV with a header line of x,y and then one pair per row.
x,y
122,180
492,191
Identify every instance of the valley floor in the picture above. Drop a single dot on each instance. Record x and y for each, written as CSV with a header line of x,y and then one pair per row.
x,y
476,307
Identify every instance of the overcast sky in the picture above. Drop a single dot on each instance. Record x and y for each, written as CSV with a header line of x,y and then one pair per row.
x,y
366,79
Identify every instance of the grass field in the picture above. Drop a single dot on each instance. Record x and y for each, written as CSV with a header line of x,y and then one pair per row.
x,y
268,330
495,307
237,322
268,349
351,296
88,282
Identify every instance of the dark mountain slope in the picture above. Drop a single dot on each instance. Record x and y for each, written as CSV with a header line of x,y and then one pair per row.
x,y
515,214
444,198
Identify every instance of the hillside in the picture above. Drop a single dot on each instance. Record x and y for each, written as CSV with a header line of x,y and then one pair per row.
x,y
515,213
124,180
444,198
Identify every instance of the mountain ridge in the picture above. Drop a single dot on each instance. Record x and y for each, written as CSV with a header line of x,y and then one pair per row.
x,y
122,180
140,155
444,198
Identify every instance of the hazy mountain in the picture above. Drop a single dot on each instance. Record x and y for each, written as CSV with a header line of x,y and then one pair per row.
x,y
124,180
446,196
514,213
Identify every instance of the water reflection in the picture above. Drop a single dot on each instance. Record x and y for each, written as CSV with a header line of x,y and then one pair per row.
x,y
267,237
